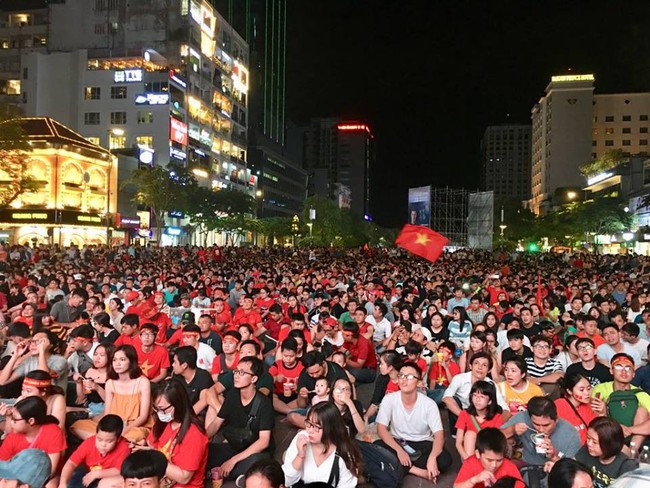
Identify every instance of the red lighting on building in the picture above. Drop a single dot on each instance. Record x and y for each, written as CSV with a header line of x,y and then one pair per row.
x,y
353,128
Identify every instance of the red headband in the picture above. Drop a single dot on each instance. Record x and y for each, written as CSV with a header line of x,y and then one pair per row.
x,y
37,383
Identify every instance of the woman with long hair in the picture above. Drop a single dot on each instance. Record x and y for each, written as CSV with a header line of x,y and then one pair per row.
x,y
128,395
351,409
32,427
460,326
575,404
105,330
38,383
438,328
91,390
313,452
603,452
569,354
178,434
116,312
491,321
477,343
389,364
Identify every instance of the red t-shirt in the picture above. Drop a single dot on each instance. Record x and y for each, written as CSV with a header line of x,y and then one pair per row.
x,y
363,349
162,321
392,387
264,305
437,372
472,466
133,340
597,338
216,364
273,328
290,374
466,423
564,411
191,454
50,439
152,362
251,318
224,319
88,454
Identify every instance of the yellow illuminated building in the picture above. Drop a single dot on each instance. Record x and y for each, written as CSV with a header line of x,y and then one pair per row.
x,y
78,195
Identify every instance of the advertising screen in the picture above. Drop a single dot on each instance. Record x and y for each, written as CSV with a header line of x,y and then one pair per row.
x,y
419,206
178,131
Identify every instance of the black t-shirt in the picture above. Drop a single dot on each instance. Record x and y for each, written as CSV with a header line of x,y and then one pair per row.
x,y
532,331
236,415
201,381
381,383
227,379
349,421
508,353
441,335
213,340
110,337
334,372
600,373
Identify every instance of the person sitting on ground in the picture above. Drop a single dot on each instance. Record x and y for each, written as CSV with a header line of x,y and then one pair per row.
x,y
324,452
516,346
152,358
603,451
488,463
575,404
614,346
407,422
543,370
142,469
516,389
243,406
14,474
265,473
129,330
205,354
80,350
568,473
554,438
228,359
362,359
595,371
194,379
285,374
98,457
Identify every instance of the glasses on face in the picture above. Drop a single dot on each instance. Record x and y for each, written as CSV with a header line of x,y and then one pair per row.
x,y
241,372
585,347
147,334
163,410
623,367
408,377
312,425
541,346
341,389
14,419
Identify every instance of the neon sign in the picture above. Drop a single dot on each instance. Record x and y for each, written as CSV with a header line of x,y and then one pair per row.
x,y
128,76
152,99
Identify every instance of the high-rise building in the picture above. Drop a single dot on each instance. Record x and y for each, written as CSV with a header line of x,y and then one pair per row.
x,y
561,137
171,77
338,157
282,180
572,126
505,151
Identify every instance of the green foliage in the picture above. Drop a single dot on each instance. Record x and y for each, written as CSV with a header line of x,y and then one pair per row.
x,y
607,161
14,159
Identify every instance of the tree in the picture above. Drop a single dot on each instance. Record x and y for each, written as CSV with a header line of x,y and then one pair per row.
x,y
14,159
162,190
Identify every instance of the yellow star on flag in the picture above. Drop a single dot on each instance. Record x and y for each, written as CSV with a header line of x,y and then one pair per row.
x,y
145,367
422,239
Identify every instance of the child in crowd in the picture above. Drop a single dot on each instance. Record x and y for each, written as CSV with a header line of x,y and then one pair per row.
x,y
483,411
321,390
341,359
443,369
413,354
100,456
144,469
488,464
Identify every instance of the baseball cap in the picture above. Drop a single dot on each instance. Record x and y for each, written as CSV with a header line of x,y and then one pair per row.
x,y
31,466
132,295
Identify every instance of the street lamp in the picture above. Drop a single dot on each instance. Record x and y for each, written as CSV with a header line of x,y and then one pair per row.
x,y
571,195
312,217
119,133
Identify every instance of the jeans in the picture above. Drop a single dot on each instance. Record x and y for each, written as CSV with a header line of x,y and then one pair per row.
x,y
436,394
363,375
444,459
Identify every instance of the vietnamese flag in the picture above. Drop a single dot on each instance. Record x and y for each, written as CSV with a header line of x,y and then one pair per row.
x,y
421,241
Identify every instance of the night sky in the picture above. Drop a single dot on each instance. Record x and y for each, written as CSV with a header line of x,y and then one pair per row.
x,y
430,76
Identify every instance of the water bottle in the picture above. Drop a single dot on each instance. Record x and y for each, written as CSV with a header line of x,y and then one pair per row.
x,y
633,450
644,457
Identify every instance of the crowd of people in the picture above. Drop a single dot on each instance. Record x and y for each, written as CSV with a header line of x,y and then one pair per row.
x,y
176,365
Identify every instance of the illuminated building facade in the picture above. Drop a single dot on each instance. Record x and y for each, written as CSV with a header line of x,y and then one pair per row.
x,y
505,151
172,76
79,189
339,154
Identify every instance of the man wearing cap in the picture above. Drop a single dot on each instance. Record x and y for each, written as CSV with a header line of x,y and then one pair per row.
x,y
137,304
30,468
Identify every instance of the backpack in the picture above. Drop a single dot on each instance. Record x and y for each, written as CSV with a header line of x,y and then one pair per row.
x,y
623,404
380,466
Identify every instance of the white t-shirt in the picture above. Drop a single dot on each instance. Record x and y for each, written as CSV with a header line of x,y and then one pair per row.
x,y
205,356
461,385
641,347
502,339
311,472
383,328
418,424
606,353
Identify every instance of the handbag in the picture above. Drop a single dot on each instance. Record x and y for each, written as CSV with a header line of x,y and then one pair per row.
x,y
240,438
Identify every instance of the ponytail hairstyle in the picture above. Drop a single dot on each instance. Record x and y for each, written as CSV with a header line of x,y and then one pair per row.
x,y
35,408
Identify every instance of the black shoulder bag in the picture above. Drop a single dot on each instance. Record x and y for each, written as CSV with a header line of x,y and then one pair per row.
x,y
240,438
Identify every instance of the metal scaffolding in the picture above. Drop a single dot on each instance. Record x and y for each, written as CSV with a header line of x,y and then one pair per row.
x,y
449,210
480,220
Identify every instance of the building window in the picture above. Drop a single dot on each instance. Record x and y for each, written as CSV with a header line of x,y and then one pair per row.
x,y
609,118
92,93
144,141
116,142
643,130
145,117
609,142
156,87
609,130
118,117
10,87
91,118
118,92
25,73
643,118
627,130
594,143
626,142
627,118
94,140
643,142
100,29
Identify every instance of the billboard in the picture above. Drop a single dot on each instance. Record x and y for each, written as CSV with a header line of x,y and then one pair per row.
x,y
178,131
419,206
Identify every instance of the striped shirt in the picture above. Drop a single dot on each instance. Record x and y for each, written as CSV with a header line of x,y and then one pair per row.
x,y
535,371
